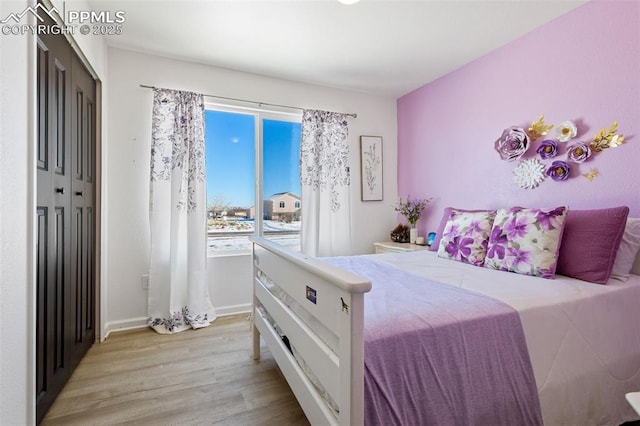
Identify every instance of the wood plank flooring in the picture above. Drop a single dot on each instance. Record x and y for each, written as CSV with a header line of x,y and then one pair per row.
x,y
197,377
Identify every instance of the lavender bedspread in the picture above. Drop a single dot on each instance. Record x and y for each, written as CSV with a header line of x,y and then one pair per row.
x,y
439,355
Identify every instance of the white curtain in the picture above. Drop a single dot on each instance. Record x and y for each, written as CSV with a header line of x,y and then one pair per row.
x,y
178,290
325,179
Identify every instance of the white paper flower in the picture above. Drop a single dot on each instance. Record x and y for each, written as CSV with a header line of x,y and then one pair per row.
x,y
566,131
529,173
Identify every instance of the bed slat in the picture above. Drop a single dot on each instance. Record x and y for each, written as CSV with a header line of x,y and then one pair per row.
x,y
316,354
313,405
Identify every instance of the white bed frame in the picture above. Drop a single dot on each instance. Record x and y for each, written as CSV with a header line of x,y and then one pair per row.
x,y
338,303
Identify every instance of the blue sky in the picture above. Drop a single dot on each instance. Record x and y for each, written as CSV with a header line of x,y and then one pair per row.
x,y
230,157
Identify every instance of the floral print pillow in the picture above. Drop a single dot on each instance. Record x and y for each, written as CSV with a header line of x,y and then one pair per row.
x,y
526,241
466,235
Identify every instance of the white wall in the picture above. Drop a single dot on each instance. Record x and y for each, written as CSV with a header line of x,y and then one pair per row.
x,y
127,174
17,326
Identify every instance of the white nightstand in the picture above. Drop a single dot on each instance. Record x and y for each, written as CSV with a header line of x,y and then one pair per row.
x,y
634,400
393,247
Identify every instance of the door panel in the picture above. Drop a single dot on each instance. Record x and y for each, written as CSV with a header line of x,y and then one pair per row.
x,y
52,212
82,229
41,295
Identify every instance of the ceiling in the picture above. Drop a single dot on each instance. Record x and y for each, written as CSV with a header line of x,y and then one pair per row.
x,y
380,47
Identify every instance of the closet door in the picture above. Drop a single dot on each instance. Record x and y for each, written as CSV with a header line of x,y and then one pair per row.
x,y
53,219
82,211
65,217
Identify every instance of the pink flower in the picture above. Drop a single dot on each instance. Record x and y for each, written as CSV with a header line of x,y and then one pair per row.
x,y
513,143
578,152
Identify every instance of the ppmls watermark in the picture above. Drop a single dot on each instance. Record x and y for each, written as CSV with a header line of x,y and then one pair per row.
x,y
85,22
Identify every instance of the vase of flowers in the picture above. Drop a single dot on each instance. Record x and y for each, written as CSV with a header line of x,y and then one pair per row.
x,y
411,209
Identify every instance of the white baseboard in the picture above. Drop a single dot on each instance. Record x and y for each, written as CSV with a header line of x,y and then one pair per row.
x,y
125,325
141,322
225,311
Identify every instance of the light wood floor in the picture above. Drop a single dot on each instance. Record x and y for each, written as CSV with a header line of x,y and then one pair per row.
x,y
197,377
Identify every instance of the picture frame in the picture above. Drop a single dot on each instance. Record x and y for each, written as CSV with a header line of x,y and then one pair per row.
x,y
371,165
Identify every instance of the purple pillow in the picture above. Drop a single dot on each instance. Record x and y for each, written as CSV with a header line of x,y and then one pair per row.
x,y
443,223
590,242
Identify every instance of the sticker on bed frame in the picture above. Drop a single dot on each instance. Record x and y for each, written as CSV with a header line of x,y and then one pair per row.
x,y
345,307
311,295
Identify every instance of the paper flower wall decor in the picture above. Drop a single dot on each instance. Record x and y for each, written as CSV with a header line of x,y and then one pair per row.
x,y
529,173
607,138
547,149
559,170
513,143
578,152
538,128
566,131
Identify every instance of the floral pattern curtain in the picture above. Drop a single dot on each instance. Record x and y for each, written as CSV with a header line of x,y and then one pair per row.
x,y
325,179
178,289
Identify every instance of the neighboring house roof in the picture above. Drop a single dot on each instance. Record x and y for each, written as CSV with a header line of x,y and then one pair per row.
x,y
279,194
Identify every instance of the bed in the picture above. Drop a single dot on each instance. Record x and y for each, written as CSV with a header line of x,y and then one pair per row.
x,y
583,339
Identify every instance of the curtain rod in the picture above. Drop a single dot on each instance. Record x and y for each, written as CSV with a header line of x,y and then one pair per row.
x,y
350,114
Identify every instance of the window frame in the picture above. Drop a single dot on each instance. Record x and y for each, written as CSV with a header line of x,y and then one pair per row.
x,y
259,115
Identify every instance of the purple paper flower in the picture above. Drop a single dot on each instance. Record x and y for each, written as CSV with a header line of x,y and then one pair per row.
x,y
548,149
578,152
513,143
558,171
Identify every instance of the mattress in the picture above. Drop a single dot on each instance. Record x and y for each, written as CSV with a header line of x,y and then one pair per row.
x,y
583,338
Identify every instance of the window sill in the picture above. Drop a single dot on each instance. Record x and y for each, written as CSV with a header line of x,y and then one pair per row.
x,y
238,244
228,253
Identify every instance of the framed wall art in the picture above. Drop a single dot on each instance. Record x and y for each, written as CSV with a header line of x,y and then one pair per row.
x,y
371,168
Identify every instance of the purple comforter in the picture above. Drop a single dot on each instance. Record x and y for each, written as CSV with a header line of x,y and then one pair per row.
x,y
439,355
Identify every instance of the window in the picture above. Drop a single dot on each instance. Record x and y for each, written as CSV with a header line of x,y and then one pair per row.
x,y
240,145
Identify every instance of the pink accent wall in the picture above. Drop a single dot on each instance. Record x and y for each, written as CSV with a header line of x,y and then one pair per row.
x,y
583,66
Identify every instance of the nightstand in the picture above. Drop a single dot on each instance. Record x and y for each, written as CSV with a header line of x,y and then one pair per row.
x,y
393,247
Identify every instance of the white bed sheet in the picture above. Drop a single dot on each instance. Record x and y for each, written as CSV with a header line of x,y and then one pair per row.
x,y
583,338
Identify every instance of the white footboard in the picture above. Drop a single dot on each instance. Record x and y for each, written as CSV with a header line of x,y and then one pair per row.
x,y
334,298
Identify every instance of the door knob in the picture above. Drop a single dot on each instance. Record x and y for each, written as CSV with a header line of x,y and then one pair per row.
x,y
60,190
79,193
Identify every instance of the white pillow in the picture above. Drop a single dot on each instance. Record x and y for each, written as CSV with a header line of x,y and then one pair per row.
x,y
628,250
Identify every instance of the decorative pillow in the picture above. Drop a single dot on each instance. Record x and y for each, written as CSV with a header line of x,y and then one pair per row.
x,y
590,243
466,235
628,250
443,222
526,241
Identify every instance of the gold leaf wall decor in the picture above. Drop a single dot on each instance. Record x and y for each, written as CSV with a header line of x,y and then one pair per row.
x,y
591,174
538,128
607,138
